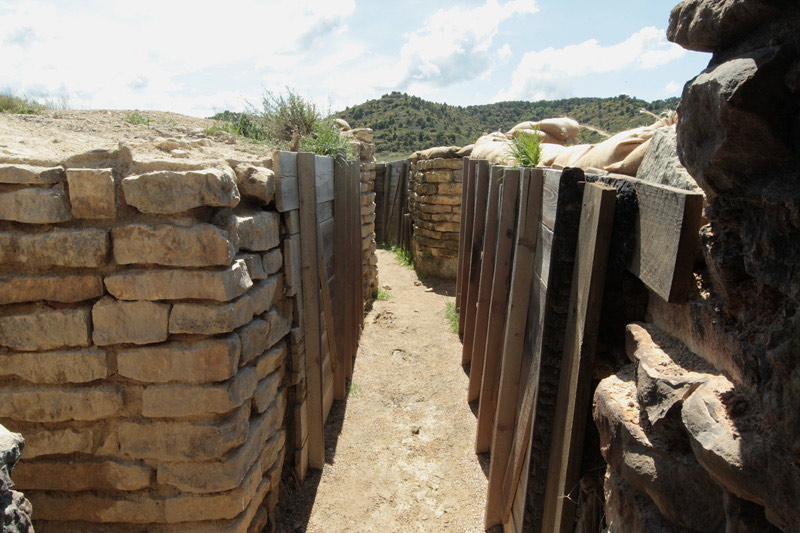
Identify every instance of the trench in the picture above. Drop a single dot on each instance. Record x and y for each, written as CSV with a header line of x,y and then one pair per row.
x,y
400,450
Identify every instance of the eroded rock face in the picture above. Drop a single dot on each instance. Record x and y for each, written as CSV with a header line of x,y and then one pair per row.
x,y
15,510
661,163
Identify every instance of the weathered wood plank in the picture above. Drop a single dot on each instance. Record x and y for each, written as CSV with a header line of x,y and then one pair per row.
x,y
327,315
498,305
522,276
340,277
542,259
356,265
291,261
460,269
324,178
575,382
464,247
324,211
552,179
487,263
478,224
292,222
284,165
310,275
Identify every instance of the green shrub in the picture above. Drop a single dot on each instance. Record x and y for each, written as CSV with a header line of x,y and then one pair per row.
x,y
404,256
451,315
137,118
382,294
282,115
21,105
325,140
525,149
241,124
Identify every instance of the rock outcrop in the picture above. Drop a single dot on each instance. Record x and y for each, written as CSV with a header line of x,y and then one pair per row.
x,y
15,510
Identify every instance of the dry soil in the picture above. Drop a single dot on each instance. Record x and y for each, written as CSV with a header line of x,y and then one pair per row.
x,y
400,449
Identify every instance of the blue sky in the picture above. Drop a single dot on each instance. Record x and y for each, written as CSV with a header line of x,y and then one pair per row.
x,y
196,59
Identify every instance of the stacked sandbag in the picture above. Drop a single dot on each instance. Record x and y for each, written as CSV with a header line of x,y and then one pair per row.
x,y
615,149
551,130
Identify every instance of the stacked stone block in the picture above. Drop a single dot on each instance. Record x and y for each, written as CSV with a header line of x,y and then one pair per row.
x,y
369,246
434,201
142,325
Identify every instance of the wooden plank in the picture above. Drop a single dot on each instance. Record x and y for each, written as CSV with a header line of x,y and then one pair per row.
x,y
310,275
575,382
326,235
542,259
284,166
464,249
292,222
291,261
478,223
340,277
324,211
394,206
323,166
356,270
552,178
667,233
327,314
498,305
485,284
514,339
385,204
459,271
301,462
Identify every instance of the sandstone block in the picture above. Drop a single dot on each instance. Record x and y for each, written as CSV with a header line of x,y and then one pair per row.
x,y
265,294
82,475
227,474
221,285
89,507
280,322
434,208
41,442
438,176
166,244
255,265
30,175
162,401
73,366
179,441
271,360
35,205
453,189
45,329
204,361
117,322
251,229
368,198
254,338
92,192
60,404
174,192
210,319
367,209
255,183
266,391
273,261
59,248
66,288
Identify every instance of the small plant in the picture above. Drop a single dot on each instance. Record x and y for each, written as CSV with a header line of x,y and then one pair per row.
x,y
137,118
353,389
285,115
404,256
325,140
240,124
382,294
451,314
525,148
21,105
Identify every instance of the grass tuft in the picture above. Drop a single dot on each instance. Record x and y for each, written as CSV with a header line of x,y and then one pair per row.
x,y
525,149
451,314
353,389
404,256
325,139
19,104
137,118
382,295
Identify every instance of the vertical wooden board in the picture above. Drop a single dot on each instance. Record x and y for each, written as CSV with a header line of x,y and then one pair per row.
x,y
385,203
312,334
324,211
478,223
459,271
552,180
488,256
326,234
323,166
575,383
498,303
284,166
301,462
327,318
340,276
464,251
292,222
668,231
542,259
291,261
525,243
356,302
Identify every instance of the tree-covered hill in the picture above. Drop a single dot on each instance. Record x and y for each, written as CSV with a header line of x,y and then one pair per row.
x,y
404,123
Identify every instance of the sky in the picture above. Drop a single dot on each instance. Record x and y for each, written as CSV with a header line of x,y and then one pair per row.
x,y
199,58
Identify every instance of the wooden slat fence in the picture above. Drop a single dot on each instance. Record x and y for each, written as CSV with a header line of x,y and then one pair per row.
x,y
531,273
392,225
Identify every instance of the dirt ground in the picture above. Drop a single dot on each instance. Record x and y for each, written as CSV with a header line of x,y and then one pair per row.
x,y
400,450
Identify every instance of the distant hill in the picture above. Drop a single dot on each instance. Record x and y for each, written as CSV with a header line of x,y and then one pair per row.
x,y
404,123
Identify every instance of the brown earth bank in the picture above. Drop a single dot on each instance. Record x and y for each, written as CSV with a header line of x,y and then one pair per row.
x,y
400,450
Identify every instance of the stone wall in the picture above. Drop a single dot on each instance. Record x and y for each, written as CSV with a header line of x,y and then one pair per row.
x,y
142,318
434,202
700,431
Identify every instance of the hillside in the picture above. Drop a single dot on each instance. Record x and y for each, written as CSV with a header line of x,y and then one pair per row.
x,y
404,123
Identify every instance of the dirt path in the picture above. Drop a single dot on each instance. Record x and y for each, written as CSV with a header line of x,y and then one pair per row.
x,y
401,450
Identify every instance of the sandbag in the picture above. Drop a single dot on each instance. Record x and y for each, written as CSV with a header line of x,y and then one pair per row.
x,y
630,165
364,135
439,152
615,149
341,124
563,128
543,136
466,151
549,154
570,154
494,152
491,137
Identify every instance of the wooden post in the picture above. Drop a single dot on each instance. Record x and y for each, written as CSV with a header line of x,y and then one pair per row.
x,y
460,271
575,382
479,221
522,274
485,284
357,301
312,333
340,277
498,305
465,248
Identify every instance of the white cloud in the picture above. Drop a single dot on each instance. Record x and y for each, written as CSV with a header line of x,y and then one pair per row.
x,y
673,88
454,45
552,72
504,52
